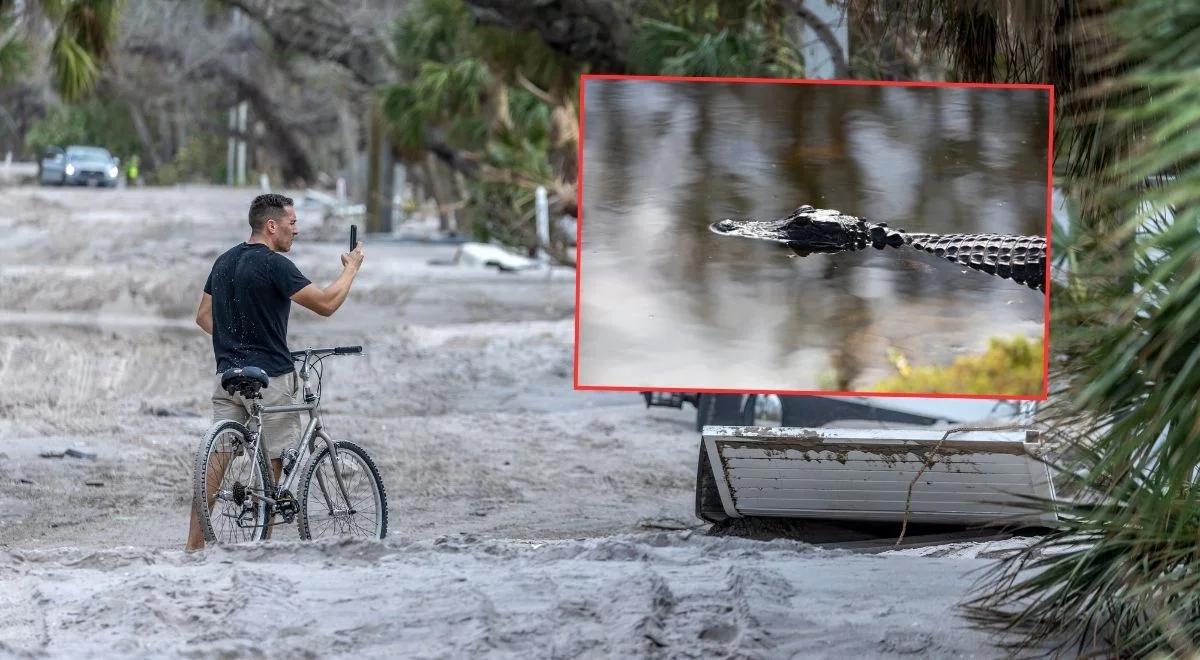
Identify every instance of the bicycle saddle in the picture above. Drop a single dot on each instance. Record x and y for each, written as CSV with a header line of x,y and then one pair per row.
x,y
246,381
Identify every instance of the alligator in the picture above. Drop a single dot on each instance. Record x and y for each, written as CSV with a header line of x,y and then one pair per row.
x,y
1021,259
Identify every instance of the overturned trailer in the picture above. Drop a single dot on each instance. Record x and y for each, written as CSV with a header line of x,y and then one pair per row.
x,y
859,459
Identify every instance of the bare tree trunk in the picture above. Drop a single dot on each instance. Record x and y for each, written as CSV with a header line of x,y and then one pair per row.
x,y
143,133
179,119
442,191
374,146
164,130
387,173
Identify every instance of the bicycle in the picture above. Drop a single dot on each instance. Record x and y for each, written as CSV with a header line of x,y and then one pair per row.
x,y
340,492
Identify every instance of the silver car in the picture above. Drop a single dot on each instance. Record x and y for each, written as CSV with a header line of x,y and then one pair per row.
x,y
79,166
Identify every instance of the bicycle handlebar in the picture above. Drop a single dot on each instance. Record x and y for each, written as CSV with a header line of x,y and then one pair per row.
x,y
319,352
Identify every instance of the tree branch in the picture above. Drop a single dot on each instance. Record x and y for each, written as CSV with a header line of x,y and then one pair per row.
x,y
827,37
306,27
593,31
295,160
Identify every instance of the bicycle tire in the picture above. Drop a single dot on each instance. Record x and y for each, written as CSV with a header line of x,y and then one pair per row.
x,y
199,496
304,519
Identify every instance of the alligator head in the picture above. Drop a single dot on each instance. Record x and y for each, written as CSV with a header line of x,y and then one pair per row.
x,y
809,229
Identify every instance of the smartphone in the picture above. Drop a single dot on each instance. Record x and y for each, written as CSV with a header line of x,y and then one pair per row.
x,y
353,237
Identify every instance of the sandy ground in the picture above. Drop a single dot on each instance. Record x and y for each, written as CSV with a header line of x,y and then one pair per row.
x,y
526,518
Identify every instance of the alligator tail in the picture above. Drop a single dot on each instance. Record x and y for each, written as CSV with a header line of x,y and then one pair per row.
x,y
1021,259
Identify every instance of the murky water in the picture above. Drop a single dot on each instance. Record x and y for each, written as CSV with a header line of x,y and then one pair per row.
x,y
665,303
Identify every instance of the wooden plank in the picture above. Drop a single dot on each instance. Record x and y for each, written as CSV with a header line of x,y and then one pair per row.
x,y
894,453
749,506
796,434
827,480
947,517
867,457
983,491
800,468
1007,451
846,498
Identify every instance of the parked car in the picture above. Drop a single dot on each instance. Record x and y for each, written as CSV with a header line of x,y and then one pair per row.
x,y
79,165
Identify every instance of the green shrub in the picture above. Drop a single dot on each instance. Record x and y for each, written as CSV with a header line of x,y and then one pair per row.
x,y
1008,366
94,122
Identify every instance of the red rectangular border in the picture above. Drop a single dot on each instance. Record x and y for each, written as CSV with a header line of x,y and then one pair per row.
x,y
804,81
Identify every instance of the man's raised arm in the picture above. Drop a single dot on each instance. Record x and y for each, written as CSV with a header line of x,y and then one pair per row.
x,y
327,301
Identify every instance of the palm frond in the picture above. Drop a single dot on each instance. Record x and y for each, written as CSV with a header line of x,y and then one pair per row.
x,y
670,48
1122,570
75,70
435,30
84,34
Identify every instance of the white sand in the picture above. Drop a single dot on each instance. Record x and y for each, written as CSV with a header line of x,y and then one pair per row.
x,y
647,595
464,398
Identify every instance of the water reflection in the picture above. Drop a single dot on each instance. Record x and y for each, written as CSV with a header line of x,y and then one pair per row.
x,y
666,303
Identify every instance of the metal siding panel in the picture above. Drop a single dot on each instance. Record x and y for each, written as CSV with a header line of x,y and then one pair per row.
x,y
718,468
738,464
824,477
888,454
980,492
866,479
891,516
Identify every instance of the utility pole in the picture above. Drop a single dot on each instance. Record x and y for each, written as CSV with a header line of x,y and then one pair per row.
x,y
235,150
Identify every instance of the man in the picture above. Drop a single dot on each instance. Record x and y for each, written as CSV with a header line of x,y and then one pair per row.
x,y
245,307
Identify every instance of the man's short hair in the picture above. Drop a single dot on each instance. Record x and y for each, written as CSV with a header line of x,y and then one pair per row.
x,y
267,207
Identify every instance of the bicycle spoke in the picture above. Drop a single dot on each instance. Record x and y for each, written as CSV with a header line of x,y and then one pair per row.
x,y
229,464
334,501
356,525
370,495
328,521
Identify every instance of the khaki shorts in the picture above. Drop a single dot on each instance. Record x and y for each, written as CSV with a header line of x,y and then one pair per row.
x,y
280,430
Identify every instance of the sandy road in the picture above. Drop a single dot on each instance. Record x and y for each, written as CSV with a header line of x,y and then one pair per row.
x,y
463,396
463,393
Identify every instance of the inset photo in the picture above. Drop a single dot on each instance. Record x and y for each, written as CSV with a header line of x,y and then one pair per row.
x,y
813,237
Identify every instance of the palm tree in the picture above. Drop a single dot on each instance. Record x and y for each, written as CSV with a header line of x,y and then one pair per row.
x,y
505,102
83,33
712,38
1122,568
497,103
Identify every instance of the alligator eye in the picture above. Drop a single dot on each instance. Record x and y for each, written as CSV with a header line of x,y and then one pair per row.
x,y
806,209
726,225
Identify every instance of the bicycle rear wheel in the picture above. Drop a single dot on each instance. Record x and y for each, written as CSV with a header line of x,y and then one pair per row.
x,y
325,511
228,485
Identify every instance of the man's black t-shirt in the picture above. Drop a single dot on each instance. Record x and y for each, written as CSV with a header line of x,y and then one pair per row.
x,y
251,289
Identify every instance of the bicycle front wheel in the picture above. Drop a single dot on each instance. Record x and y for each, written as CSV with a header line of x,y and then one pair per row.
x,y
355,505
228,485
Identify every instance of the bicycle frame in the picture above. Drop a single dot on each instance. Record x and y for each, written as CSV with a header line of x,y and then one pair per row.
x,y
305,446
